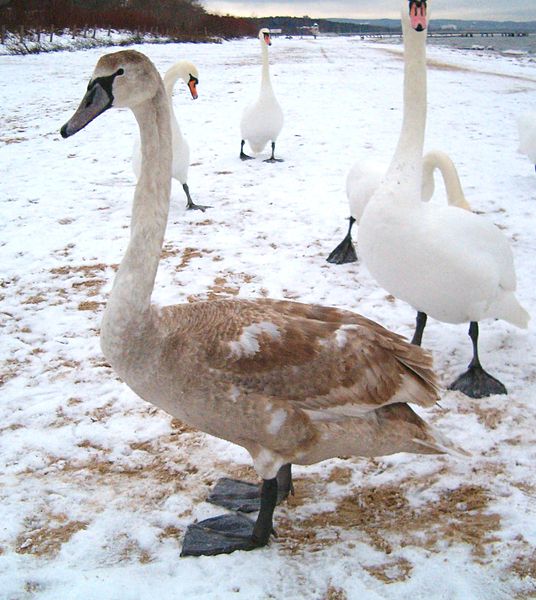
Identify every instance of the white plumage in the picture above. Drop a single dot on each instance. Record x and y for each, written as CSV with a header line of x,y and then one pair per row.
x,y
526,125
365,177
448,263
262,120
187,72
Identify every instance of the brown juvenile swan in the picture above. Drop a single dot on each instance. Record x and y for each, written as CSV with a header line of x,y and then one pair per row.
x,y
289,382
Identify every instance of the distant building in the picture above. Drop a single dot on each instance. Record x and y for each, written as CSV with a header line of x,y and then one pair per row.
x,y
450,27
313,30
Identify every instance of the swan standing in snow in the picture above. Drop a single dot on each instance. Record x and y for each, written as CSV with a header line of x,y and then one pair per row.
x,y
186,71
262,121
364,179
289,382
526,126
448,263
438,160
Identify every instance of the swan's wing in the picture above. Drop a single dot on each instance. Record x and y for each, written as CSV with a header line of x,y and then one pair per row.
x,y
474,243
328,362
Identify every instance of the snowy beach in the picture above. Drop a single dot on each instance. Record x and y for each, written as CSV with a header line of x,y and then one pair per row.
x,y
97,487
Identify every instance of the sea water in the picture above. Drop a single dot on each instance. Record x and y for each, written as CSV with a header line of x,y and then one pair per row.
x,y
509,46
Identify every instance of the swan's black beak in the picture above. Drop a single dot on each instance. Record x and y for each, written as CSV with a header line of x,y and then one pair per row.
x,y
98,98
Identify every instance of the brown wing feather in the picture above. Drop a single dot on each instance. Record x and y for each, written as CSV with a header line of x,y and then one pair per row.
x,y
319,358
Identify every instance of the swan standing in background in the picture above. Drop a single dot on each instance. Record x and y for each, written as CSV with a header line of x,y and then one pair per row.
x,y
448,263
186,71
262,121
289,382
526,126
365,177
438,160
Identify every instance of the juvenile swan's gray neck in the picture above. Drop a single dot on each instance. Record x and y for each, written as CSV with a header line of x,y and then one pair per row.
x,y
129,302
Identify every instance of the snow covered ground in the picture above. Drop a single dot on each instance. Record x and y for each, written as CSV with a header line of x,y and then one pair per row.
x,y
97,487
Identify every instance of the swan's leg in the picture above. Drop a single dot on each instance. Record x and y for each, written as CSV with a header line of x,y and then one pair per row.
x,y
244,496
476,382
419,328
190,205
243,155
345,251
272,158
227,533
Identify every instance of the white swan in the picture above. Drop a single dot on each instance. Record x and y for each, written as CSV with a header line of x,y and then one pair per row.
x,y
448,263
262,120
188,72
364,179
526,126
440,161
290,382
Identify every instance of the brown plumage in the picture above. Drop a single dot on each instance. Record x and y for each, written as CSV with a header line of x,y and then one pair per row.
x,y
290,382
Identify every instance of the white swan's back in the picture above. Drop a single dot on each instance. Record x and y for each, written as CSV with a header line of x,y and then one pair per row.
x,y
451,264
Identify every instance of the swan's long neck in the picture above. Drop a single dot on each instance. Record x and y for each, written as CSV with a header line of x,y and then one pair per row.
x,y
128,306
170,79
439,160
266,84
406,165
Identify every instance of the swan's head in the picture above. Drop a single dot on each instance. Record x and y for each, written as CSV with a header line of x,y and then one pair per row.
x,y
264,36
121,79
186,71
418,17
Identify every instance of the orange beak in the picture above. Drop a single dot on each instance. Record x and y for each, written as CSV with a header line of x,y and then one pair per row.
x,y
267,39
192,84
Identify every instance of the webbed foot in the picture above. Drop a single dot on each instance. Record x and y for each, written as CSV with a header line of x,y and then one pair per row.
x,y
244,496
243,155
227,533
343,253
193,206
219,535
236,495
477,383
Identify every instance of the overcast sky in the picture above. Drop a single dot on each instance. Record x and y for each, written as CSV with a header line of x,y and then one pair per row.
x,y
487,10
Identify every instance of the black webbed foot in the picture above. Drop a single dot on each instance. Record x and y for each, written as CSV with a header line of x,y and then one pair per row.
x,y
243,155
227,533
477,383
193,206
236,495
272,158
190,204
219,535
246,497
345,251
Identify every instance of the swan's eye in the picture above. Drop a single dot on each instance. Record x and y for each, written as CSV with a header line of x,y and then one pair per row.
x,y
120,71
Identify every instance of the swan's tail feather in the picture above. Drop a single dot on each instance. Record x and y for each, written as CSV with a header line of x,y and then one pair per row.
x,y
509,309
439,443
400,422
